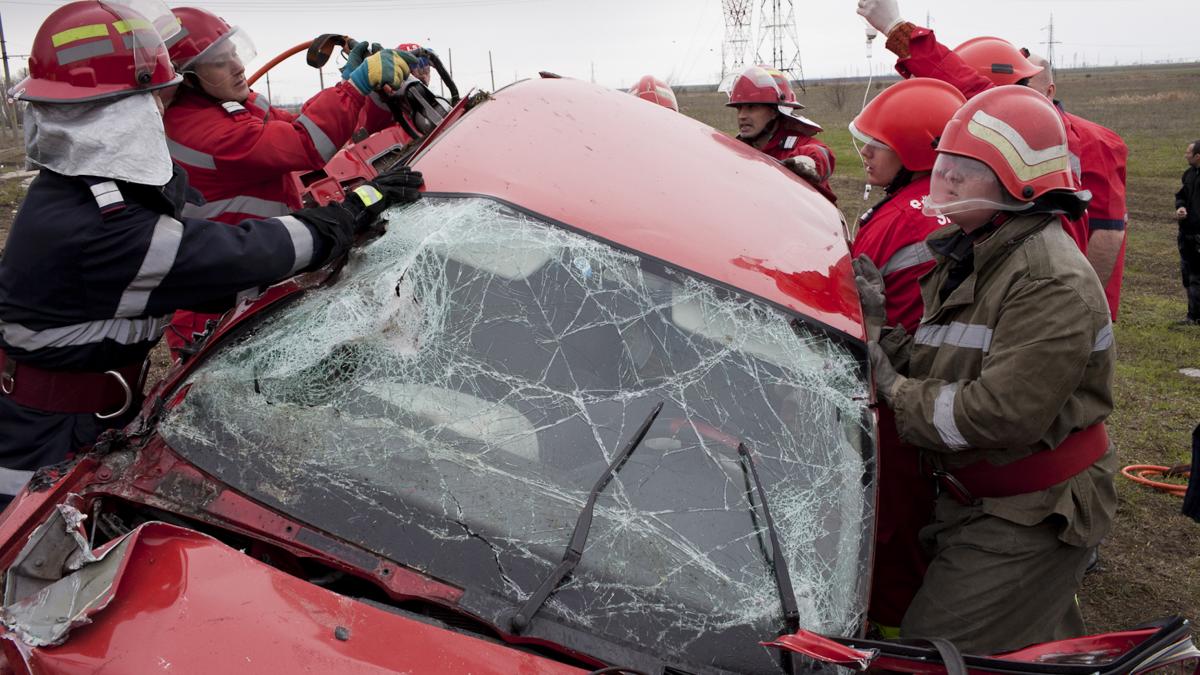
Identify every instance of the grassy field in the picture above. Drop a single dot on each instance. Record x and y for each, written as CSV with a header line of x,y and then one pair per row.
x,y
1150,564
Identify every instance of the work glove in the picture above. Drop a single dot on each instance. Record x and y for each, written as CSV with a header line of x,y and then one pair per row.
x,y
357,55
869,281
369,200
884,15
387,68
887,380
805,167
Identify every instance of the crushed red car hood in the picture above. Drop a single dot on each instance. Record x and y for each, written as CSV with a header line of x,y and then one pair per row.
x,y
182,602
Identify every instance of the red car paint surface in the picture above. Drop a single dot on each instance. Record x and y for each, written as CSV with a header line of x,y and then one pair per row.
x,y
649,179
185,603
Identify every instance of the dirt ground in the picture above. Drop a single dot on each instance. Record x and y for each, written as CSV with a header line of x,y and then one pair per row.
x,y
1150,565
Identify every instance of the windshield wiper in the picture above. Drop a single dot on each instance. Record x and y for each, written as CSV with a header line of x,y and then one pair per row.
x,y
783,579
583,523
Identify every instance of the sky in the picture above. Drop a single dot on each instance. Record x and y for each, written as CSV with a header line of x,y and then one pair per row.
x,y
615,42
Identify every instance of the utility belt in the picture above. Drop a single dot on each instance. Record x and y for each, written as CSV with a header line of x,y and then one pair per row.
x,y
1034,473
107,395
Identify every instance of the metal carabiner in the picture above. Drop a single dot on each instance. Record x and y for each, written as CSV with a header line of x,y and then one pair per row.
x,y
128,397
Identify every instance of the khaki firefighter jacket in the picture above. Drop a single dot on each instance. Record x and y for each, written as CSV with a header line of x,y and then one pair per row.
x,y
1015,359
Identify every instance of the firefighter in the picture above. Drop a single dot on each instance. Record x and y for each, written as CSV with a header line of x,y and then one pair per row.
x,y
1005,384
100,254
765,122
237,149
652,89
898,131
1098,155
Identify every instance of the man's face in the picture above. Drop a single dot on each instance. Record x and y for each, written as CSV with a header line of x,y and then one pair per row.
x,y
882,164
753,118
959,179
223,77
1192,155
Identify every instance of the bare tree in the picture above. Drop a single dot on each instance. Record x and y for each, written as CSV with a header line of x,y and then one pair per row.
x,y
837,92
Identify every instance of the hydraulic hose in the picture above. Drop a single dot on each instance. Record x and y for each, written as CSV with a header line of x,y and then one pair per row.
x,y
277,60
1145,474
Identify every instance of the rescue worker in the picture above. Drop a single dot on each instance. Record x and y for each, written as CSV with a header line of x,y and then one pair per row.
x,y
100,254
899,130
765,122
652,89
422,67
1098,155
237,149
1187,212
1005,384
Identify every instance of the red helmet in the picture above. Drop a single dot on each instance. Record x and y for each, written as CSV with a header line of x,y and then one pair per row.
x,y
908,117
655,90
1019,135
785,86
92,50
201,39
757,85
997,60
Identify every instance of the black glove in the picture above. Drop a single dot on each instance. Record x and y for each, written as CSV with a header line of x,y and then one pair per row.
x,y
369,200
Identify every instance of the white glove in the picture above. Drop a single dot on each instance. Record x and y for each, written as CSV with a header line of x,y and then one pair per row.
x,y
803,166
884,15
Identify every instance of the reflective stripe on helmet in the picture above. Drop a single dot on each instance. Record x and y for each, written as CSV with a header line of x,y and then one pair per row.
x,y
130,25
94,30
1026,162
86,51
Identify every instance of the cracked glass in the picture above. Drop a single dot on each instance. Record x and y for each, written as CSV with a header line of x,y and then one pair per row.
x,y
451,398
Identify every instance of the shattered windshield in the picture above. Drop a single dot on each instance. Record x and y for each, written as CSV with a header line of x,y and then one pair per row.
x,y
451,399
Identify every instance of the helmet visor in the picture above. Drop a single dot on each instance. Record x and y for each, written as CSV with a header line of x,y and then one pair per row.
x,y
224,60
144,25
960,184
866,139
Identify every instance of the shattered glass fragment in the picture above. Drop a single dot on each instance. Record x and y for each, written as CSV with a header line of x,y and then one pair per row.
x,y
449,400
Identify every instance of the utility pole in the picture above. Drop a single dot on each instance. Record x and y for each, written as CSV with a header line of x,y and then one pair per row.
x,y
321,75
1050,42
9,110
928,20
268,76
492,70
593,72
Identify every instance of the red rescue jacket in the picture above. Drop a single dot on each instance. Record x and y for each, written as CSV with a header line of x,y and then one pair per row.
x,y
240,156
1098,155
792,140
892,235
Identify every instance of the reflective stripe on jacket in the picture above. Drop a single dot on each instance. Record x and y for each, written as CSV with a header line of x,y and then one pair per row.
x,y
241,156
90,290
1016,358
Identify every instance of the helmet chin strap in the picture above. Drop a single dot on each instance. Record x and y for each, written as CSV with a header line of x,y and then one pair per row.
x,y
767,131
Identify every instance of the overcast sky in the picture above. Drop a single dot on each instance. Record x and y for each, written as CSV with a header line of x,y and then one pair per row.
x,y
677,40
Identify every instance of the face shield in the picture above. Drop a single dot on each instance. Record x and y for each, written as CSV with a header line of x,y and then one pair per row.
x,y
144,25
960,184
224,60
858,136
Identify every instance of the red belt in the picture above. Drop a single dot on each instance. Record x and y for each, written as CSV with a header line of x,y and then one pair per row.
x,y
1034,473
106,394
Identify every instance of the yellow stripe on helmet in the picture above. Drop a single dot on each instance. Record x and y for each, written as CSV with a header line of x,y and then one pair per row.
x,y
1025,172
78,33
130,25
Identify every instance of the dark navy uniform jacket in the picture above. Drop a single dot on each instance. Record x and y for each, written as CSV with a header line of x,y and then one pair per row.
x,y
93,269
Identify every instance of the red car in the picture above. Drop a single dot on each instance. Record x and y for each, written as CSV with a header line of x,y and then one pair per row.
x,y
598,403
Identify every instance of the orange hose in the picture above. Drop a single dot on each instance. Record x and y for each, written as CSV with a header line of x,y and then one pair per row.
x,y
1141,473
277,60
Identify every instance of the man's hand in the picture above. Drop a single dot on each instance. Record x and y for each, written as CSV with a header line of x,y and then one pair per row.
x,y
870,292
887,380
369,200
884,15
1180,213
802,166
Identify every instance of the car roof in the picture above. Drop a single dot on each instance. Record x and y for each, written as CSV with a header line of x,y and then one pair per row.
x,y
657,182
